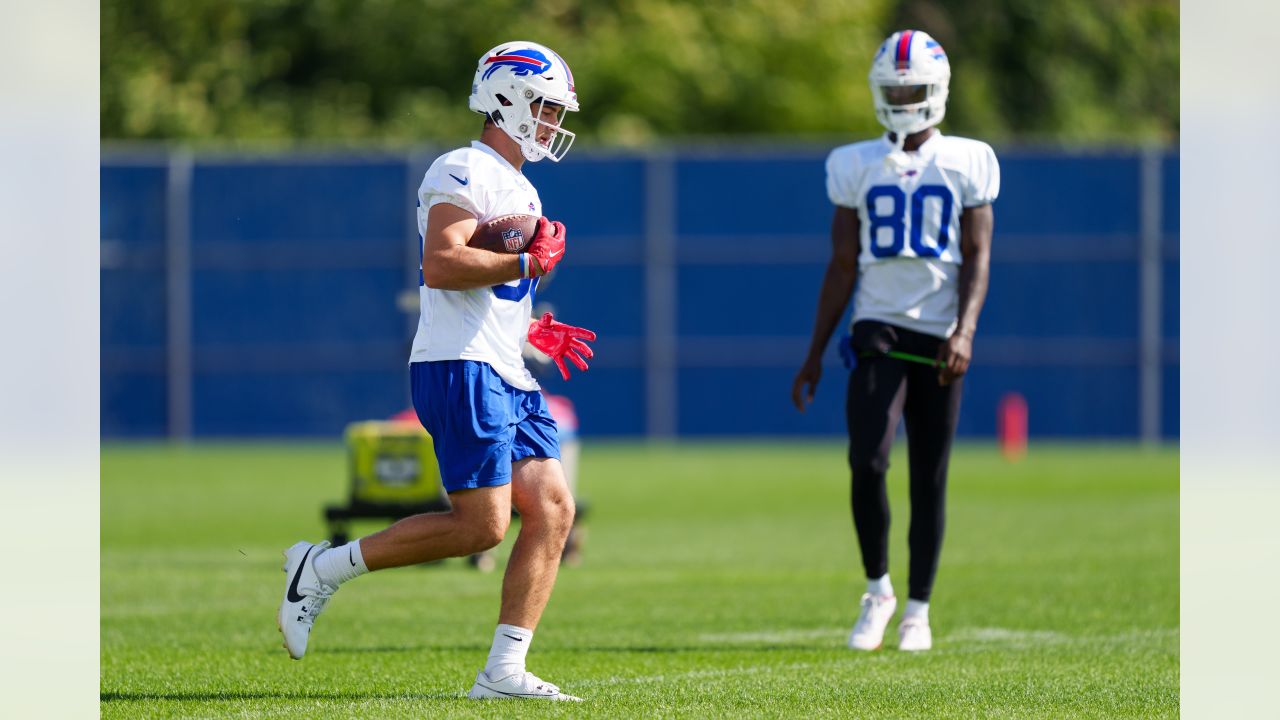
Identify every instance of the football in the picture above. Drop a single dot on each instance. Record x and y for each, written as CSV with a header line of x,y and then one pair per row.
x,y
506,234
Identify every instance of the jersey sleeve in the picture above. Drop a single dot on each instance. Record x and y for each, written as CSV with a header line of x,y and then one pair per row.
x,y
841,171
450,181
984,177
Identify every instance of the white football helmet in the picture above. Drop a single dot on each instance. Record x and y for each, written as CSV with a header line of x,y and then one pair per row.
x,y
909,80
511,77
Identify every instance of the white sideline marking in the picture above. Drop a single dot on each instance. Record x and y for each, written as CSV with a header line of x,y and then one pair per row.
x,y
1006,635
122,610
694,675
1029,638
983,636
773,636
991,635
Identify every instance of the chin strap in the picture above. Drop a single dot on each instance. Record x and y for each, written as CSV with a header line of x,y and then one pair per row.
x,y
897,160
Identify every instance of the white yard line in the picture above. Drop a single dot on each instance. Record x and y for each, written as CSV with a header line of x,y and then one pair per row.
x,y
694,675
1027,638
963,635
959,639
773,636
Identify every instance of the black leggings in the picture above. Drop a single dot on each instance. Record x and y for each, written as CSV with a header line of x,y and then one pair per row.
x,y
881,391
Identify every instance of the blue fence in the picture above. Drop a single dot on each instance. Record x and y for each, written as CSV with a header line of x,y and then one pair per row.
x,y
264,296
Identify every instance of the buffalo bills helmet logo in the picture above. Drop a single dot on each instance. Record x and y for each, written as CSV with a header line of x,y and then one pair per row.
x,y
522,62
512,239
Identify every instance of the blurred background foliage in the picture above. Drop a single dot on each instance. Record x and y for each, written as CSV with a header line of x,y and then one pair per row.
x,y
397,71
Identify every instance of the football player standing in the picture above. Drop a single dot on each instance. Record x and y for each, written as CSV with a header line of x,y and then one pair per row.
x,y
912,233
495,440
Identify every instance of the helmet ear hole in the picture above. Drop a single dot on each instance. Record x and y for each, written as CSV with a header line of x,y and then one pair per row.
x,y
505,102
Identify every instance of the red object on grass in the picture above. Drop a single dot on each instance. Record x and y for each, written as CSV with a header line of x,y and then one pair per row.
x,y
562,412
1011,426
408,416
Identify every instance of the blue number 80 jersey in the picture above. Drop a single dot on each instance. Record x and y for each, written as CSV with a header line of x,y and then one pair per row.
x,y
909,266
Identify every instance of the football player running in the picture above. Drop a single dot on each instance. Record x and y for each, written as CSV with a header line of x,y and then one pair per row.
x,y
912,232
495,440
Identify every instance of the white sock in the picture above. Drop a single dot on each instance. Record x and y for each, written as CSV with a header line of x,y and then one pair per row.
x,y
510,646
880,586
916,609
338,565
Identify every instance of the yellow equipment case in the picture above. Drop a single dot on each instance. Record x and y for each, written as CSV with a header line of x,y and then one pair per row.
x,y
393,474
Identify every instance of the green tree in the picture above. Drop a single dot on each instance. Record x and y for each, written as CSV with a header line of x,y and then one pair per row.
x,y
400,70
1067,70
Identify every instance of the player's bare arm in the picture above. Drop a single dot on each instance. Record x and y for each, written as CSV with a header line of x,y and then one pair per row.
x,y
976,226
837,287
447,262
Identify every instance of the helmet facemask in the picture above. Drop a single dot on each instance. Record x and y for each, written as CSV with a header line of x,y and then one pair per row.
x,y
536,137
906,105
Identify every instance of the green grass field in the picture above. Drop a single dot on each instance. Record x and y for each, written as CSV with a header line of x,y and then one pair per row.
x,y
718,580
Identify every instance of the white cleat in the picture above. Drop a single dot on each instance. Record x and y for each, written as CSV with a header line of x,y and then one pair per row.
x,y
868,631
304,596
520,686
914,635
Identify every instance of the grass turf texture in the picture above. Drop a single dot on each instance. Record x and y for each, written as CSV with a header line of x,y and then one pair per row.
x,y
718,581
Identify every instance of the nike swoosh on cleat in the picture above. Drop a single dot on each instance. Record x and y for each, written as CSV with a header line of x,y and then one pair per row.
x,y
518,695
293,595
460,180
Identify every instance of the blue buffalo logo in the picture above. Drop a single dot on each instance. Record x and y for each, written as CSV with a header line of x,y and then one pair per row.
x,y
521,62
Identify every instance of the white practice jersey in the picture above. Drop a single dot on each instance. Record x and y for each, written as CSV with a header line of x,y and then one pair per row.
x,y
909,266
487,324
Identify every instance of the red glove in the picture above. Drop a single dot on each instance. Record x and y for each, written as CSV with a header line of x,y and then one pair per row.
x,y
558,341
547,247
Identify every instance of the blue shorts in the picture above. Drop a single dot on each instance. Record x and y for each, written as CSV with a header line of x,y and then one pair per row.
x,y
479,423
